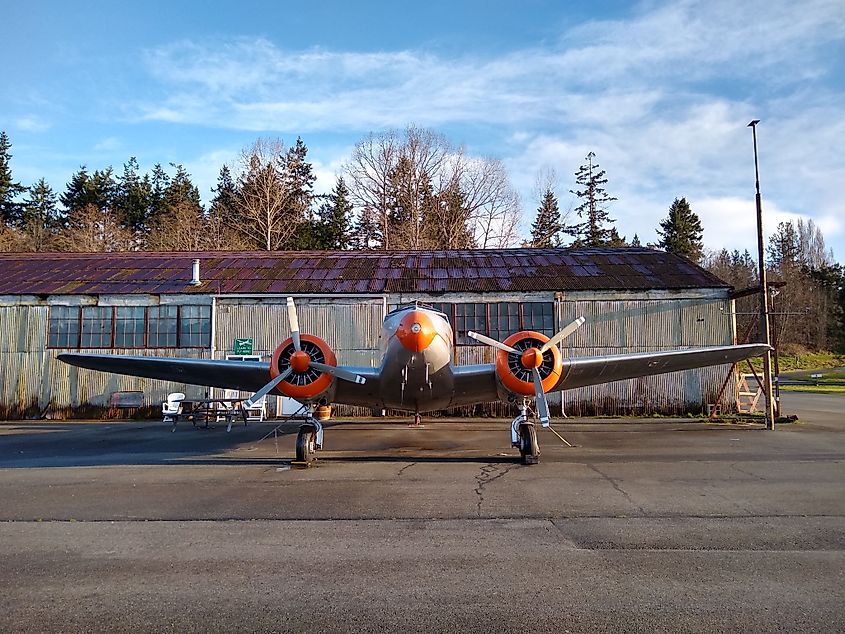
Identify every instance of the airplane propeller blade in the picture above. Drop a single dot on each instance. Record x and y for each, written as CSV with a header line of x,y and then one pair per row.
x,y
540,397
260,393
293,320
491,342
563,334
340,373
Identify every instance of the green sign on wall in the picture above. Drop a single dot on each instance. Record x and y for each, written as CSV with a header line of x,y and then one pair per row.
x,y
243,346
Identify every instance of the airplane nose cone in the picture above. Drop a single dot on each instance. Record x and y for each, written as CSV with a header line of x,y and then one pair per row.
x,y
415,331
531,358
300,361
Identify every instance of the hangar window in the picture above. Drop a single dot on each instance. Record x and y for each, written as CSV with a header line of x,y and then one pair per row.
x,y
194,326
129,327
497,320
162,326
469,317
63,331
167,326
504,320
96,327
538,316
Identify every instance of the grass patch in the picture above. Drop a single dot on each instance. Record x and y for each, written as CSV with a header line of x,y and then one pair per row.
x,y
804,361
817,389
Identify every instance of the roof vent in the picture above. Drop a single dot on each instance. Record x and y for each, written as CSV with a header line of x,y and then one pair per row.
x,y
195,273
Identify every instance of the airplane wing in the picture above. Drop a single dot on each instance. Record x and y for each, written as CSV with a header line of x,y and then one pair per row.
x,y
249,376
472,380
240,375
581,371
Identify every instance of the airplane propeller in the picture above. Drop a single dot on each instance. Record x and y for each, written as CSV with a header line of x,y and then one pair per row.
x,y
535,358
302,363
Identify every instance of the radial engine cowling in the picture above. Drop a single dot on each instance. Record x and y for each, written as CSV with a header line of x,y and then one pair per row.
x,y
514,369
305,383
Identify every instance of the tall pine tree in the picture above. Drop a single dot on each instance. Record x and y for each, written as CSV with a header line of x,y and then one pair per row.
x,y
545,232
9,189
133,197
40,218
593,208
334,223
681,232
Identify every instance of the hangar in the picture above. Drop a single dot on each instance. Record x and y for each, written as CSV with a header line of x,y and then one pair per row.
x,y
225,304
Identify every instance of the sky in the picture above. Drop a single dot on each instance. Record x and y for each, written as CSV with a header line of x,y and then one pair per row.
x,y
661,92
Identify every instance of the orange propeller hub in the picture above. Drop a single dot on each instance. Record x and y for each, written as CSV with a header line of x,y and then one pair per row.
x,y
415,331
531,358
300,361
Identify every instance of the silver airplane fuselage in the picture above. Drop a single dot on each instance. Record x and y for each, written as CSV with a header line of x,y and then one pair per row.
x,y
416,369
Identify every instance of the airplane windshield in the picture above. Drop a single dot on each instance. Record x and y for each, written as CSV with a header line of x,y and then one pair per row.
x,y
417,304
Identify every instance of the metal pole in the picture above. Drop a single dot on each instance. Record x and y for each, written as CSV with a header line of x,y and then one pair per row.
x,y
764,292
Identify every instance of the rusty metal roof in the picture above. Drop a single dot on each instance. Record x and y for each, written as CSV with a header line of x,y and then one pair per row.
x,y
348,272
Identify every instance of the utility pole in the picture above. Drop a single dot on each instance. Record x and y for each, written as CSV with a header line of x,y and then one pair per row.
x,y
764,293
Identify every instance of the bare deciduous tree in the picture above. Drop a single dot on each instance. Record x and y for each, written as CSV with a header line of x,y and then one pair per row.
x,y
416,190
94,229
264,197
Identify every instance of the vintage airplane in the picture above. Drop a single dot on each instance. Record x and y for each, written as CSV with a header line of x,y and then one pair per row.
x,y
416,372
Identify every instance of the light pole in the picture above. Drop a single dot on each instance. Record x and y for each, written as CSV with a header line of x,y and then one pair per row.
x,y
764,292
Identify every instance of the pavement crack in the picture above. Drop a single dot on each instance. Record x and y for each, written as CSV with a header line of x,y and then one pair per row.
x,y
748,473
489,473
404,469
616,487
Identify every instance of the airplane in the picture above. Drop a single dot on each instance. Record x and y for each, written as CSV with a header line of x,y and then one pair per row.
x,y
417,373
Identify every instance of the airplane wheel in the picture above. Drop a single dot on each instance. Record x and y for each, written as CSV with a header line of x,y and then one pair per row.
x,y
528,448
306,444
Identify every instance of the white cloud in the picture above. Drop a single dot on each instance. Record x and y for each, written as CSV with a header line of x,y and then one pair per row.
x,y
108,144
32,123
662,98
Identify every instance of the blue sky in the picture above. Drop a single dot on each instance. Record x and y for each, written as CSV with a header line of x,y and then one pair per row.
x,y
661,92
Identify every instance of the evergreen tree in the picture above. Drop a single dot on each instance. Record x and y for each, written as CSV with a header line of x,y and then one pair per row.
x,y
334,223
635,242
545,232
298,178
592,232
681,232
98,189
783,248
447,219
224,203
40,217
180,189
76,192
133,197
222,217
9,189
159,182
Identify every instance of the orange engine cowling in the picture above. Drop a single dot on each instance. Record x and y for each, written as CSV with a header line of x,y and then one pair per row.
x,y
305,382
514,369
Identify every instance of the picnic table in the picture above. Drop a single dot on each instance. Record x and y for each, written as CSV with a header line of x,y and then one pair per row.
x,y
203,410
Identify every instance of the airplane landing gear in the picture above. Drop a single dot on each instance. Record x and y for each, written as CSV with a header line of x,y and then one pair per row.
x,y
524,437
309,440
528,448
306,444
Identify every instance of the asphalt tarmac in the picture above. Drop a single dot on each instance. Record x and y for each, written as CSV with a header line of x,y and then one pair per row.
x,y
656,526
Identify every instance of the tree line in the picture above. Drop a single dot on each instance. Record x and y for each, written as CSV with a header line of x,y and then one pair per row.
x,y
408,189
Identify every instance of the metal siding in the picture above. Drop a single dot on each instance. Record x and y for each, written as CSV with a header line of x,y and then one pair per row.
x,y
351,329
634,325
30,374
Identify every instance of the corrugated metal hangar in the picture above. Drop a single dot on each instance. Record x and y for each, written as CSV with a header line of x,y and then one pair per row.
x,y
634,300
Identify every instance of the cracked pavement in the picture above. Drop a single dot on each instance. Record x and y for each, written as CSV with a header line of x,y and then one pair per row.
x,y
645,526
